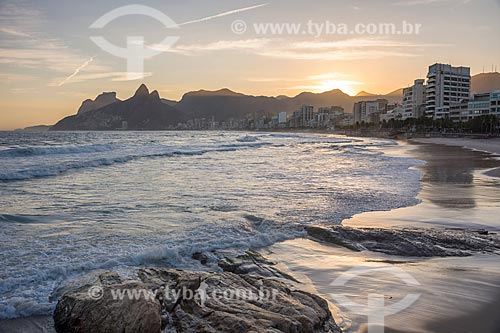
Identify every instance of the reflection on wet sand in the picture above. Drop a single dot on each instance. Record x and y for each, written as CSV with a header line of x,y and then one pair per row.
x,y
454,192
448,175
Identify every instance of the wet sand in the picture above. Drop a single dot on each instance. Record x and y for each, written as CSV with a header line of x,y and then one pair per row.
x,y
39,324
453,291
484,145
457,294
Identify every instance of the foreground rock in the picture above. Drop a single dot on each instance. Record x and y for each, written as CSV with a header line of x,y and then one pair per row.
x,y
183,301
410,242
91,308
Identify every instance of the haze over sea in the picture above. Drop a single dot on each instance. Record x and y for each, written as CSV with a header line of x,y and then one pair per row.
x,y
75,202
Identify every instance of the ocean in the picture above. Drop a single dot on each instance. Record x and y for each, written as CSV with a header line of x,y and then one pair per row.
x,y
75,202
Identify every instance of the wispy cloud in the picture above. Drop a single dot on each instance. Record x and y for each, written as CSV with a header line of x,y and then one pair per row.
x,y
222,45
112,76
14,32
427,2
26,47
41,56
15,77
349,49
323,76
323,85
359,43
340,55
328,76
270,79
19,14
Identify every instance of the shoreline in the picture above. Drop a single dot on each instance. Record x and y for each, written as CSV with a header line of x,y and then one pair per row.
x,y
469,285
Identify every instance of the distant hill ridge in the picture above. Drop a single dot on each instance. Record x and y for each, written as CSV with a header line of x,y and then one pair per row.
x,y
147,111
485,82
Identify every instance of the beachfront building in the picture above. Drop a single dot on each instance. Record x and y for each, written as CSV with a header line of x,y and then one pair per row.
x,y
346,120
303,117
334,111
369,111
396,112
446,86
479,105
328,115
460,112
323,117
282,118
495,103
337,115
414,99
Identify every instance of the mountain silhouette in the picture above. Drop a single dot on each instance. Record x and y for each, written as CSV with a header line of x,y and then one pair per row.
x,y
485,82
100,101
147,111
143,111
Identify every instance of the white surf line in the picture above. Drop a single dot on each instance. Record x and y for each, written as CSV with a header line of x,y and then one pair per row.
x,y
85,64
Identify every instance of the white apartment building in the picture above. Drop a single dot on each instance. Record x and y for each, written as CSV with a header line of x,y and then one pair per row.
x,y
282,118
414,99
446,86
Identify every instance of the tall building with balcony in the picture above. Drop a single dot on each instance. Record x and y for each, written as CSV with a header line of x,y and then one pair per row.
x,y
446,86
414,99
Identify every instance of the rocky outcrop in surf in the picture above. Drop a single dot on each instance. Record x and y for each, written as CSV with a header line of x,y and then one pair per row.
x,y
432,242
186,301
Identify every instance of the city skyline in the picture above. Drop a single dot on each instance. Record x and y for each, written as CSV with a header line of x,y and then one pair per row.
x,y
48,56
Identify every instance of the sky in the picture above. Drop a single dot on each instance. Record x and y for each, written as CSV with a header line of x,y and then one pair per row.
x,y
49,64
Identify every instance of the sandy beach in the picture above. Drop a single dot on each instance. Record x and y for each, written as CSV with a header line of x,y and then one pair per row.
x,y
456,294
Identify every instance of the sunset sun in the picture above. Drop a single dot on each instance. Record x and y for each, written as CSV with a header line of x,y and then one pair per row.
x,y
349,87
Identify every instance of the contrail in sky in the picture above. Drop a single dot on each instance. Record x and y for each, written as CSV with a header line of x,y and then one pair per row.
x,y
230,12
85,64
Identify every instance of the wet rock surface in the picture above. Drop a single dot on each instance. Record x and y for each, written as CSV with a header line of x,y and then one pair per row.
x,y
252,262
92,308
410,242
187,301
